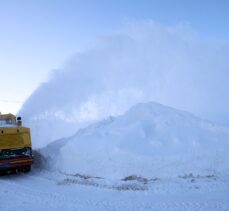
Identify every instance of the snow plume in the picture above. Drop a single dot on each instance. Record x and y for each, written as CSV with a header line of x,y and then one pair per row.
x,y
144,62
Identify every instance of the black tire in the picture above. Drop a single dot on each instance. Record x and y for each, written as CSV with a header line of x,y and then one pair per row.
x,y
2,172
26,169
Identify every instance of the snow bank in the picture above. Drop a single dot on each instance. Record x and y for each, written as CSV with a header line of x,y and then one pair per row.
x,y
148,140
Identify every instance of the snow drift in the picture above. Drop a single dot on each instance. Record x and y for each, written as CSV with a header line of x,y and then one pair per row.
x,y
148,140
145,61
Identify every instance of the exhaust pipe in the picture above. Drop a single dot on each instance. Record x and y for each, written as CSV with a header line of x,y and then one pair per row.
x,y
19,121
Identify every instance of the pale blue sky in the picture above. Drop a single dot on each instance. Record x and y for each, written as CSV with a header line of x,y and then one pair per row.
x,y
37,36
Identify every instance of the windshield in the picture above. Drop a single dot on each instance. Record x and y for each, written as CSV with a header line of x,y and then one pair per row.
x,y
6,122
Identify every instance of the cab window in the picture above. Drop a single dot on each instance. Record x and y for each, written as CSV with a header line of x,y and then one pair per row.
x,y
6,122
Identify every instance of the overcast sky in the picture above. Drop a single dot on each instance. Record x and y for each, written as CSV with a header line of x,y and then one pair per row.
x,y
37,36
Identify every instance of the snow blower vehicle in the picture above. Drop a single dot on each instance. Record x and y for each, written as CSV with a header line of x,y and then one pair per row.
x,y
15,145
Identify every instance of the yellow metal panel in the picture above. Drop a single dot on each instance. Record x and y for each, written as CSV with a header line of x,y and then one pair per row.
x,y
14,137
7,116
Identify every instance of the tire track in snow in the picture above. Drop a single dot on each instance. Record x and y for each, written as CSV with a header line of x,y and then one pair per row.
x,y
28,192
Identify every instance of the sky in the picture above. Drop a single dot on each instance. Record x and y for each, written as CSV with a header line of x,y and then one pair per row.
x,y
39,36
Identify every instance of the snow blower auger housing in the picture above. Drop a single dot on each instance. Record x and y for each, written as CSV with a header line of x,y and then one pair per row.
x,y
15,144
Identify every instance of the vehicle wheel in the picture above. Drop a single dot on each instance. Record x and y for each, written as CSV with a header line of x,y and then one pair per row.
x,y
26,169
2,172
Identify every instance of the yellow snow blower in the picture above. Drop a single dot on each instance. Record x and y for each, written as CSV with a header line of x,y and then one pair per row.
x,y
15,144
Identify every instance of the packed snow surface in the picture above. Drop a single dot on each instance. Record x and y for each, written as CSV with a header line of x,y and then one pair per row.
x,y
47,191
149,140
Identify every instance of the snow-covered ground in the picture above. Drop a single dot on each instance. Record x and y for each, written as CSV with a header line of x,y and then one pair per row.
x,y
151,158
52,191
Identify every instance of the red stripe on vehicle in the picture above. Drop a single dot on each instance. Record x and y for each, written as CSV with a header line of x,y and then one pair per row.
x,y
21,164
14,159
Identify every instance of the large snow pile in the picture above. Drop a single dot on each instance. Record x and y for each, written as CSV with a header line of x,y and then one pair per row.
x,y
148,140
